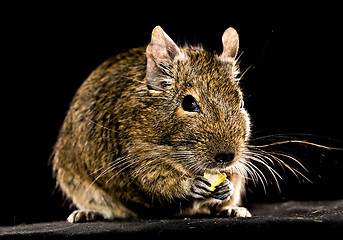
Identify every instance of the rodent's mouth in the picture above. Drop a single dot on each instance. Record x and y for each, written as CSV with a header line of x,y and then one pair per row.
x,y
216,167
199,162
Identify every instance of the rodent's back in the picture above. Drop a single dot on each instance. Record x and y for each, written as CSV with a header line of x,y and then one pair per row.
x,y
89,138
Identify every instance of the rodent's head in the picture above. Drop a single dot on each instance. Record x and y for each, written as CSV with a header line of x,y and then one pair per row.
x,y
198,100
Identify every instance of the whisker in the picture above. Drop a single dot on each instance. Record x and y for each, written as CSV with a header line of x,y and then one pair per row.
x,y
245,71
298,141
264,159
99,125
118,163
99,169
166,98
120,171
293,170
259,174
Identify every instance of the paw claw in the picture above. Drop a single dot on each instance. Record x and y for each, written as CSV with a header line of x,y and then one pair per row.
x,y
84,216
234,212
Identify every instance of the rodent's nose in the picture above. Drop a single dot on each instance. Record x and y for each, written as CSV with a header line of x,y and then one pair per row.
x,y
224,157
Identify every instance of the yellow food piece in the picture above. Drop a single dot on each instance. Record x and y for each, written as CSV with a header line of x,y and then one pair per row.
x,y
215,179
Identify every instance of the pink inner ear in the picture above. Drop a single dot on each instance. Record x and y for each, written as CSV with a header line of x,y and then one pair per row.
x,y
157,48
230,43
161,49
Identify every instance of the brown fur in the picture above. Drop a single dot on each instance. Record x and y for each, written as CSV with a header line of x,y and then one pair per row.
x,y
127,148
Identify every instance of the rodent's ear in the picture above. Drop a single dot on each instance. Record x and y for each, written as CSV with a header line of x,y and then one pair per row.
x,y
161,51
230,43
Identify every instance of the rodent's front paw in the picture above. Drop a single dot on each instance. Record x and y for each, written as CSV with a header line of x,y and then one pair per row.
x,y
223,191
200,188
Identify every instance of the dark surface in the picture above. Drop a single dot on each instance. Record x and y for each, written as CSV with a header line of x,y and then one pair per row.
x,y
293,218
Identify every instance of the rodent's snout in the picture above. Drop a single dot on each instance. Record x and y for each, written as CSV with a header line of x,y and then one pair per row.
x,y
224,157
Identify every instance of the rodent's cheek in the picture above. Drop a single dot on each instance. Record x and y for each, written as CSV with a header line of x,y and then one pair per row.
x,y
186,120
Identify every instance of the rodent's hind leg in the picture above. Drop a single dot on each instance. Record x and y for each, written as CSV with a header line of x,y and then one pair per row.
x,y
94,203
84,216
233,212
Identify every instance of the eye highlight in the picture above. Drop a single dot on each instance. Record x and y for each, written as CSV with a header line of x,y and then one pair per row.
x,y
189,104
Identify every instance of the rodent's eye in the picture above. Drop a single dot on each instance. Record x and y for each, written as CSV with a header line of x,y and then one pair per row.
x,y
189,104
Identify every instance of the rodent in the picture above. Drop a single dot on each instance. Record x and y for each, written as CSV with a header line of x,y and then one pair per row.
x,y
144,127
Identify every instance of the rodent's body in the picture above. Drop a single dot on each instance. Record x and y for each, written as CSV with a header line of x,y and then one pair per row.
x,y
145,126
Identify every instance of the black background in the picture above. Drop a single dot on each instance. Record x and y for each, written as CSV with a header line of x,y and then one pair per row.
x,y
293,86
